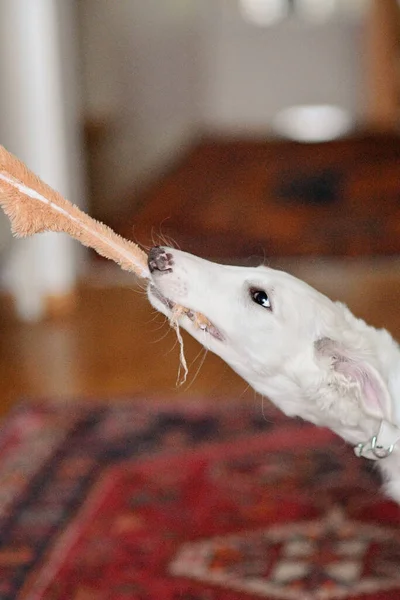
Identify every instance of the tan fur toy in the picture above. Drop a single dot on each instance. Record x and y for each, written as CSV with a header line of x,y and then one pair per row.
x,y
34,207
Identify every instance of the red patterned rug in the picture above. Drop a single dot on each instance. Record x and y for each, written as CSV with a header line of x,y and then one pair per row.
x,y
145,500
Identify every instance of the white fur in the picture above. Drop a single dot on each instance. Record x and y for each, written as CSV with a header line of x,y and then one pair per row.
x,y
308,355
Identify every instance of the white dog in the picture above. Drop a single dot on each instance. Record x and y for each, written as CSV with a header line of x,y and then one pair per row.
x,y
307,354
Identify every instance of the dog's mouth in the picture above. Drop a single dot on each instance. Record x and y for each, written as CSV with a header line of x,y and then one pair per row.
x,y
170,305
161,298
161,264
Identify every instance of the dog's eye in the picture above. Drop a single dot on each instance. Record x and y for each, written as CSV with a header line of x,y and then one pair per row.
x,y
260,297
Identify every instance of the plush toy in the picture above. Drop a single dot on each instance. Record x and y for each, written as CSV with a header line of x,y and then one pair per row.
x,y
34,207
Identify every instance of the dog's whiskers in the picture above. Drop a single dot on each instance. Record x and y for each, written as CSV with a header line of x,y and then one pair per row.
x,y
266,419
162,337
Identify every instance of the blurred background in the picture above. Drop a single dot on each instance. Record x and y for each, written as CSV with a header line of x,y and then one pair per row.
x,y
242,130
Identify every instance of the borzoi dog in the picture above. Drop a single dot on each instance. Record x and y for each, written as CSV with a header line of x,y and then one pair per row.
x,y
309,355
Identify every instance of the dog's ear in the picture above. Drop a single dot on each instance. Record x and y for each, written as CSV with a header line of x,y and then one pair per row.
x,y
357,375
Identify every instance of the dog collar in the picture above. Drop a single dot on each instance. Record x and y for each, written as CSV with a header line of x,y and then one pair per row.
x,y
381,445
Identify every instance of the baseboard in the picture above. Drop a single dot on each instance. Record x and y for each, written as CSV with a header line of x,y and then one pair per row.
x,y
60,305
55,306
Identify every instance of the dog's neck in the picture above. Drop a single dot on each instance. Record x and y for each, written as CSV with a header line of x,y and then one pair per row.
x,y
372,438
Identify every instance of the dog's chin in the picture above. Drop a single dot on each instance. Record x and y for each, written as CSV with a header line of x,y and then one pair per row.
x,y
166,306
159,301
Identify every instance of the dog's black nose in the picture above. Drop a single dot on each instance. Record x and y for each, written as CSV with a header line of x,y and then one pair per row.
x,y
160,260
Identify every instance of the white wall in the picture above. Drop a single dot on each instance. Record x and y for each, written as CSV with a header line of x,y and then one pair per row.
x,y
141,71
252,72
39,123
158,71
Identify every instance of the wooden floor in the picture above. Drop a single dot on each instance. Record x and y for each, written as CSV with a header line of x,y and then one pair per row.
x,y
115,345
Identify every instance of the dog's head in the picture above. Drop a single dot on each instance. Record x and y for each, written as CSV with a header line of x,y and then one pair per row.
x,y
309,355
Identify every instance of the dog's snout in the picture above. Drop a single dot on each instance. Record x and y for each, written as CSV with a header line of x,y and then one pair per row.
x,y
160,260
